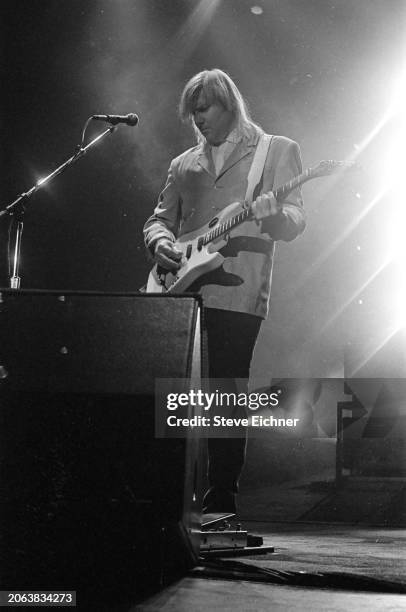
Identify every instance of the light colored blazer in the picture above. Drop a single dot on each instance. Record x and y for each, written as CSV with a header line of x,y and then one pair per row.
x,y
193,194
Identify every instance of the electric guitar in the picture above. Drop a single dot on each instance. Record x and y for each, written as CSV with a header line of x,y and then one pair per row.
x,y
200,248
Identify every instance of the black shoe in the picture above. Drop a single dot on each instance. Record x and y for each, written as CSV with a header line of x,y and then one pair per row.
x,y
218,500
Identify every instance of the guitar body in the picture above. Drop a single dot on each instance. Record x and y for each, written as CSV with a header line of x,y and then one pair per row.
x,y
197,259
200,248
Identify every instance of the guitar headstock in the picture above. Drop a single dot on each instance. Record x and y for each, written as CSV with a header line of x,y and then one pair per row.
x,y
329,166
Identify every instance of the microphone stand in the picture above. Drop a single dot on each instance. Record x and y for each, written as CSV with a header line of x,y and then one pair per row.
x,y
17,208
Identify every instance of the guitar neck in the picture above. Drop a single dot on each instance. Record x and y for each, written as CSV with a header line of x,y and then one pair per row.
x,y
280,194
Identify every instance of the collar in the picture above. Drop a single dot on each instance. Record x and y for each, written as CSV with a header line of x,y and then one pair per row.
x,y
233,137
245,146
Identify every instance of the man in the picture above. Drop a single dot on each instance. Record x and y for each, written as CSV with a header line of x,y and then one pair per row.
x,y
201,182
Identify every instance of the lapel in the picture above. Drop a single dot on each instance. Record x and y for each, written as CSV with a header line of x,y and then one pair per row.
x,y
244,147
205,160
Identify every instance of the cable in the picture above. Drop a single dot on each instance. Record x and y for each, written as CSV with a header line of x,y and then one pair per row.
x,y
237,570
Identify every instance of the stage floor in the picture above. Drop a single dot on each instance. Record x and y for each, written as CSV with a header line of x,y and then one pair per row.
x,y
374,552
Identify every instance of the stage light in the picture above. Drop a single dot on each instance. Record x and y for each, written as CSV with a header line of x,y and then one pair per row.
x,y
257,10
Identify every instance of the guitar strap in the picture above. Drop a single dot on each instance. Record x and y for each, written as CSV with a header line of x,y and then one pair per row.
x,y
257,166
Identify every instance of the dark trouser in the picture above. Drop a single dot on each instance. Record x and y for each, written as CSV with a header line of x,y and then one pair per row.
x,y
231,339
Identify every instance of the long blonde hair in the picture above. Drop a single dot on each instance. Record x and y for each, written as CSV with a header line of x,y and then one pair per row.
x,y
216,86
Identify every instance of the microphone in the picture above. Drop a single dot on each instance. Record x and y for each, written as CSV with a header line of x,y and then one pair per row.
x,y
130,119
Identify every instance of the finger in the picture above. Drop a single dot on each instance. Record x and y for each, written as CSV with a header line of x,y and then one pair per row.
x,y
172,253
274,206
260,201
167,249
166,262
265,205
260,209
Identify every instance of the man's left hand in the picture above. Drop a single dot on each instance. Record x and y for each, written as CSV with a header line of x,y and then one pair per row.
x,y
265,205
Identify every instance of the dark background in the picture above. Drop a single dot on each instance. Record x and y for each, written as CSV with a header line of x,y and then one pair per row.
x,y
319,71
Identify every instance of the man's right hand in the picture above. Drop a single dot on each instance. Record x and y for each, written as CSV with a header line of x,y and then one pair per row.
x,y
167,255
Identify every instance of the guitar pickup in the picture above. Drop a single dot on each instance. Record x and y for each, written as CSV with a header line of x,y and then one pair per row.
x,y
188,251
200,243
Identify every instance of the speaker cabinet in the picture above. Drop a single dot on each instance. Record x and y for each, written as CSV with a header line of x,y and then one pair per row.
x,y
90,500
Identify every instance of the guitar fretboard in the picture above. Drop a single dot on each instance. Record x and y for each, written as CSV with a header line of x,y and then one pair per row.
x,y
280,194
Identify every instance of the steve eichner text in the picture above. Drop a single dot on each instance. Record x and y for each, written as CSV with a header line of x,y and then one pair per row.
x,y
204,400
